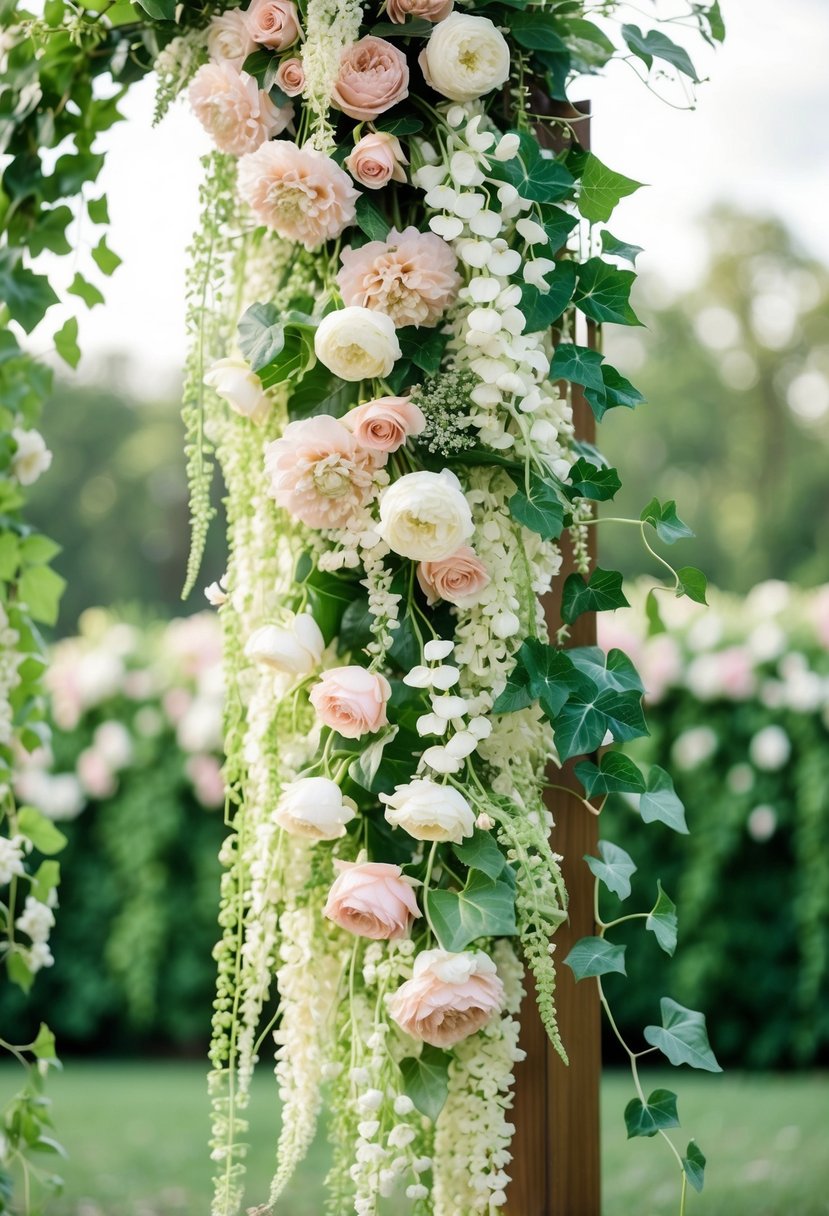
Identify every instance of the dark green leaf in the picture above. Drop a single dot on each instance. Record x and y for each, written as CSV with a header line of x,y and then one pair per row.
x,y
536,31
662,920
400,759
159,10
415,27
371,218
517,694
611,670
601,593
541,309
660,801
538,508
364,769
615,391
615,774
578,364
663,517
481,852
613,867
595,956
602,189
485,908
426,1080
50,232
598,482
657,1115
682,1037
355,626
693,1163
423,347
407,125
656,45
28,296
620,249
261,335
548,671
558,225
693,583
603,293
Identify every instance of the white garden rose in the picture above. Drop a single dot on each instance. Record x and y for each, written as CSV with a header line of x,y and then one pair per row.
x,y
465,57
240,387
357,344
428,811
425,516
296,650
314,807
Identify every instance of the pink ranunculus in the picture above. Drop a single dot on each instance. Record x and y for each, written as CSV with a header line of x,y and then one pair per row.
x,y
384,425
234,111
429,10
377,158
459,579
299,192
372,899
228,39
412,277
373,77
351,700
273,23
319,473
290,77
449,997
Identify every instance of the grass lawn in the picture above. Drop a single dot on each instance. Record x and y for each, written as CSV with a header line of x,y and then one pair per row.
x,y
136,1135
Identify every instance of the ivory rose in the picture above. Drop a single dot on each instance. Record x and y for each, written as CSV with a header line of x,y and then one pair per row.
x,y
314,807
290,77
299,192
384,425
377,159
234,111
228,39
319,473
357,344
429,10
428,811
425,516
296,650
449,997
373,77
465,57
412,276
241,388
372,899
459,578
351,700
273,23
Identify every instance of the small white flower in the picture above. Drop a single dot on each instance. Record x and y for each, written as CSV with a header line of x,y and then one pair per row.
x,y
484,822
11,859
505,262
462,745
403,1105
449,708
532,232
483,289
431,724
402,1135
469,203
486,224
216,593
445,677
442,198
438,649
371,1100
481,728
369,1128
36,920
441,760
447,226
31,458
463,168
507,148
505,625
418,677
770,748
417,1191
475,253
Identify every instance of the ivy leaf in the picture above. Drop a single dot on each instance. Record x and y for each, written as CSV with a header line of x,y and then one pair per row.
x,y
542,309
28,296
603,293
662,920
595,956
415,27
426,1080
536,32
611,670
589,714
87,291
620,249
318,392
50,232
159,10
613,867
104,258
261,335
663,517
655,623
661,802
364,769
66,342
44,880
598,482
693,583
44,1045
615,774
329,595
682,1037
98,210
10,556
539,508
658,1114
480,852
40,588
558,225
602,189
18,972
517,694
407,125
485,908
615,391
579,365
548,672
41,831
537,177
656,45
424,348
693,1163
371,219
601,593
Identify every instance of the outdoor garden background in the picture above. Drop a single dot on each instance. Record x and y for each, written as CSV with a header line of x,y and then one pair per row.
x,y
735,365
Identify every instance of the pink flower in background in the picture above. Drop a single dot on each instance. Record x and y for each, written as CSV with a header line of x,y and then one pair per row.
x,y
373,77
412,277
614,633
723,673
384,425
429,10
319,473
290,77
351,700
372,899
233,110
95,775
228,39
273,23
176,703
206,774
459,579
299,192
821,611
377,158
449,997
195,643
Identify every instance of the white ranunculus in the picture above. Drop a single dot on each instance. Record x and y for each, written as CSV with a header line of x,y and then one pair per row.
x,y
428,811
465,57
241,388
296,650
314,807
425,516
32,456
357,344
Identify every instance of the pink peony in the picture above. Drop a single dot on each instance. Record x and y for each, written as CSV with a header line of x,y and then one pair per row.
x,y
412,277
372,899
299,192
373,77
290,77
319,472
429,10
459,579
228,39
377,159
384,425
233,110
351,700
449,997
273,23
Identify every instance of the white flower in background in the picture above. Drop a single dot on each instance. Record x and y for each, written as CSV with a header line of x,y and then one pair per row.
x,y
315,808
36,921
693,747
296,650
216,593
770,748
740,778
11,858
428,811
57,796
762,823
241,388
200,726
37,957
357,344
465,57
425,516
112,740
32,456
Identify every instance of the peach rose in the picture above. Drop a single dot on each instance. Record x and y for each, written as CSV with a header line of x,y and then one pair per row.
x,y
373,77
319,473
351,700
377,158
412,277
429,10
459,579
299,192
233,110
273,23
228,39
384,425
449,997
372,899
290,77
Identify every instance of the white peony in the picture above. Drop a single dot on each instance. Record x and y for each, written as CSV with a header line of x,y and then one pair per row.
x,y
428,811
296,650
32,456
425,516
465,57
357,343
241,388
314,807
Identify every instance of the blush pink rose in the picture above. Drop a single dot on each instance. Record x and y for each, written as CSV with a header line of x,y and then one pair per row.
x,y
412,277
373,77
372,899
273,23
290,77
429,10
384,425
377,159
449,997
459,579
351,700
299,192
233,110
319,473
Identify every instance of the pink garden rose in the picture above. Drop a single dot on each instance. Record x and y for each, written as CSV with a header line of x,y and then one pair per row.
x,y
459,579
429,10
290,77
377,159
299,192
228,39
234,111
273,23
351,700
319,473
449,997
373,77
372,899
384,425
412,277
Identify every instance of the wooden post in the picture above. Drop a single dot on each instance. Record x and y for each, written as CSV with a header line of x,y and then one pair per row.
x,y
556,1164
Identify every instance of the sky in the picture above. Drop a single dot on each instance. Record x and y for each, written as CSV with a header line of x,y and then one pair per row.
x,y
759,136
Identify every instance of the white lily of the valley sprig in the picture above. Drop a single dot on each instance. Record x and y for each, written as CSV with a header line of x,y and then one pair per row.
x,y
448,712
